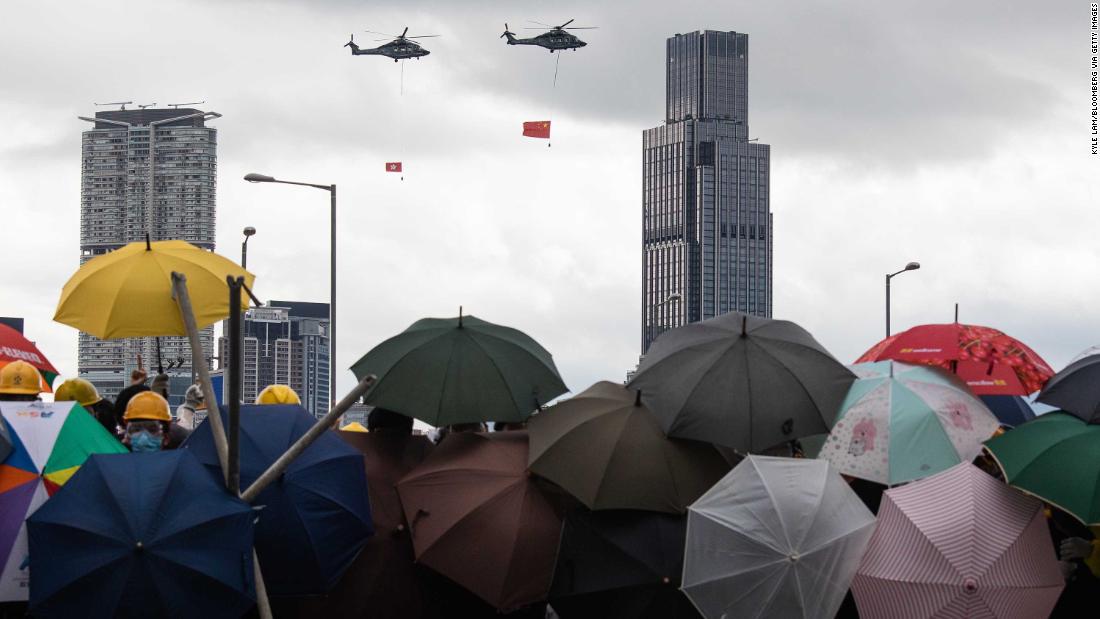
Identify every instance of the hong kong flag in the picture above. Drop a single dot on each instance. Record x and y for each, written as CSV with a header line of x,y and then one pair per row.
x,y
393,166
537,129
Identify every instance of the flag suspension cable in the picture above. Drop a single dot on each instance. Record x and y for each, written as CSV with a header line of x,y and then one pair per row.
x,y
553,91
401,122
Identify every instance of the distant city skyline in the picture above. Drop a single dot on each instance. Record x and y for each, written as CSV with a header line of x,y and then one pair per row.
x,y
707,226
146,173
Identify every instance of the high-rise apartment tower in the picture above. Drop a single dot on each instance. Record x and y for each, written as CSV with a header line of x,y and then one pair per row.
x,y
144,172
706,223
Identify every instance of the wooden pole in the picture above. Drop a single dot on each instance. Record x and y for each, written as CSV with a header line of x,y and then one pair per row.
x,y
320,427
183,300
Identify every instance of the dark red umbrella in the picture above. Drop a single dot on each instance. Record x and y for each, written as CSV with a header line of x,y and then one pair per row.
x,y
990,362
383,582
477,518
15,347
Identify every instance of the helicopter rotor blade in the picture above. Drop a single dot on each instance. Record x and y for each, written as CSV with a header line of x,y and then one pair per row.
x,y
392,36
424,36
565,24
404,32
539,23
582,28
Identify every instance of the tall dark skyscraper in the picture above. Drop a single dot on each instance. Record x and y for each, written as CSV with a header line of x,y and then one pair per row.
x,y
706,222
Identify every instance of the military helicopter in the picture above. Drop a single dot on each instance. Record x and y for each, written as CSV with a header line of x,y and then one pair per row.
x,y
556,39
400,48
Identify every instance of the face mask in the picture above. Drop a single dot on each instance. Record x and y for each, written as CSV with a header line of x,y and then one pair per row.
x,y
143,441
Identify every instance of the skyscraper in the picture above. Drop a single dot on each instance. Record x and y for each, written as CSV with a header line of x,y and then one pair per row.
x,y
126,194
286,343
706,223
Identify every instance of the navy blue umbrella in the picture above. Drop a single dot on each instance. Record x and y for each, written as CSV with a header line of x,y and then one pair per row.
x,y
1010,410
141,535
316,518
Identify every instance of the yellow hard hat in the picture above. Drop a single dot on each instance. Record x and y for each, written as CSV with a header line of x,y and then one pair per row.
x,y
78,389
147,405
278,394
20,378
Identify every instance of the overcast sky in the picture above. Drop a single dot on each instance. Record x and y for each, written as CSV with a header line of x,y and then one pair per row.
x,y
952,133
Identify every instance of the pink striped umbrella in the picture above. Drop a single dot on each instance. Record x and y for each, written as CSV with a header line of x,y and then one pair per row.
x,y
958,544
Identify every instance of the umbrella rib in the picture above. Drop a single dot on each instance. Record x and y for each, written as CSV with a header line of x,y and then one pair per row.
x,y
520,344
484,504
114,305
492,362
85,576
792,374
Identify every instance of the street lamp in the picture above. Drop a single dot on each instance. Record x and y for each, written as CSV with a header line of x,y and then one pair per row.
x,y
671,298
252,177
248,232
912,266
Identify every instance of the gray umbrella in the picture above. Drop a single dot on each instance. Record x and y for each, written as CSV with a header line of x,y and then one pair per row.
x,y
1076,389
741,381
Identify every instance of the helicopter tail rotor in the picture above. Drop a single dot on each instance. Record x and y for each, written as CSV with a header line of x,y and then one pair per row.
x,y
507,33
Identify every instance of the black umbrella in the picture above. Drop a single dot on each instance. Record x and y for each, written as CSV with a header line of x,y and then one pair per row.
x,y
1076,389
621,563
741,381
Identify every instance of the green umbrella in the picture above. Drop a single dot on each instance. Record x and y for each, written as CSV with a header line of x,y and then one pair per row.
x,y
607,450
446,371
1055,457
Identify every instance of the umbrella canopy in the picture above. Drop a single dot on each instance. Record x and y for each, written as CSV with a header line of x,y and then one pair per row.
x,y
315,519
1010,410
128,292
50,441
776,537
903,422
1056,458
741,381
447,371
990,362
15,347
477,518
142,535
958,544
607,450
383,582
1076,389
620,563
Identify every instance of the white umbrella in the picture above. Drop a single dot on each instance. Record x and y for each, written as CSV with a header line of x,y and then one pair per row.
x,y
776,537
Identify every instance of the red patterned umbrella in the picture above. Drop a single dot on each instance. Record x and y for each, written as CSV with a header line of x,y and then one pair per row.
x,y
990,362
15,347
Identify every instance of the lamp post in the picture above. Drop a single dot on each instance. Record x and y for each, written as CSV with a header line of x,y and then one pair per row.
x,y
912,266
249,231
669,299
252,177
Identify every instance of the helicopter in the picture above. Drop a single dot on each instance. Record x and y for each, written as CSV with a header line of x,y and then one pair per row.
x,y
556,39
400,48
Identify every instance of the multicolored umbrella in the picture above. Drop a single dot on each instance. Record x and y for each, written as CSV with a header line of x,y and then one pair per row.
x,y
958,544
446,371
478,518
1056,458
776,537
990,362
15,347
606,449
902,422
142,535
50,441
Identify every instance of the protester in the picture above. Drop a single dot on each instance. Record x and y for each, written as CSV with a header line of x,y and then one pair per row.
x,y
20,382
278,394
387,421
137,385
505,426
160,385
84,393
192,402
147,422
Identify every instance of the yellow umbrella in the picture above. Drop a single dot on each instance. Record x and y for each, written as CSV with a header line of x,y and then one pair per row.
x,y
128,292
354,426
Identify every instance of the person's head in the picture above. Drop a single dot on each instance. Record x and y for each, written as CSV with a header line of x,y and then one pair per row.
x,y
160,385
504,426
193,397
20,381
147,420
477,426
137,377
389,421
77,390
278,394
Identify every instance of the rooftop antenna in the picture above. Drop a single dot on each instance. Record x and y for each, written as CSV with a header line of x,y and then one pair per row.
x,y
153,104
179,105
122,104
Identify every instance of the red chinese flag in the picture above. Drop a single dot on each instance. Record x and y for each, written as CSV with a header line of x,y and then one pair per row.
x,y
537,129
393,166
